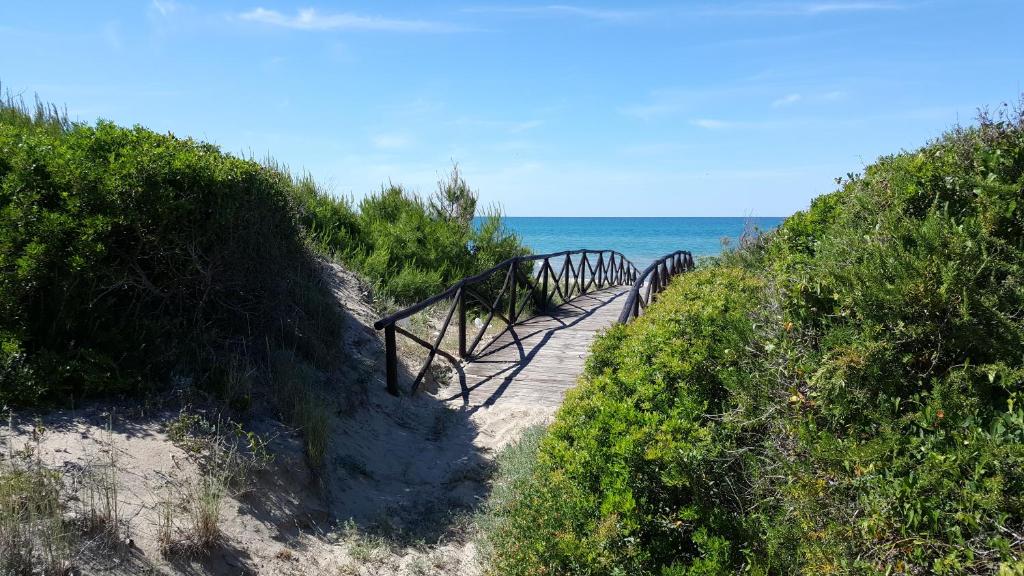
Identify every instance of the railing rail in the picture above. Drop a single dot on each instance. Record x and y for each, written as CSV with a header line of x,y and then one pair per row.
x,y
562,275
652,281
521,285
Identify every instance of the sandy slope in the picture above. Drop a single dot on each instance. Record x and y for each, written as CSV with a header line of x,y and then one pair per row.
x,y
401,478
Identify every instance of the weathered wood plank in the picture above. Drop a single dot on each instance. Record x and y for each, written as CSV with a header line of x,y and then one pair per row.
x,y
541,358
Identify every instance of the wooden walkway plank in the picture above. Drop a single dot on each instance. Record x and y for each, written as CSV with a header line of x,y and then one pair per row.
x,y
541,358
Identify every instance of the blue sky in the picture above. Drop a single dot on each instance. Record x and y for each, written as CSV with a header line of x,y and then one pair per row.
x,y
598,108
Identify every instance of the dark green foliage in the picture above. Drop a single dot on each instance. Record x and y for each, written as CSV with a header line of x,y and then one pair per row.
x,y
630,476
843,396
126,256
409,247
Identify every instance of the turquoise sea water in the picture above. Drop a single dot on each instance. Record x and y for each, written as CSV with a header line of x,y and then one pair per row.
x,y
642,240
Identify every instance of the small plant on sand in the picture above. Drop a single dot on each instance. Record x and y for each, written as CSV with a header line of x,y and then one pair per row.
x,y
514,466
299,398
226,456
364,549
33,535
311,417
221,445
204,496
101,513
165,528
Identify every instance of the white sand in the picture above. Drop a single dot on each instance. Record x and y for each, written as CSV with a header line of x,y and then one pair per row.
x,y
405,473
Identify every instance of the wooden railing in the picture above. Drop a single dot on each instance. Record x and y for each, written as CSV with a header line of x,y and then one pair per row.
x,y
523,284
652,281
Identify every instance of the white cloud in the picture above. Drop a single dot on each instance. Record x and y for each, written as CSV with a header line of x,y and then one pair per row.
x,y
801,8
391,141
712,124
165,7
503,125
111,33
715,124
524,126
649,111
827,7
587,13
786,100
310,19
668,102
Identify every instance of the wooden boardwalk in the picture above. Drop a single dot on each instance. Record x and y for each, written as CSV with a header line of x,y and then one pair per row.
x,y
538,359
534,359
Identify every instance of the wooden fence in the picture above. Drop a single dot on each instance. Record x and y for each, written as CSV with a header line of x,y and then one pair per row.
x,y
525,290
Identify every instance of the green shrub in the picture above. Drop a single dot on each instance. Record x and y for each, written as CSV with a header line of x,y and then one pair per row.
x,y
129,257
841,397
126,256
629,475
411,248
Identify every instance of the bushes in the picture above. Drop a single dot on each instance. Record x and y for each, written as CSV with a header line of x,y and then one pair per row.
x,y
409,247
126,255
841,397
631,476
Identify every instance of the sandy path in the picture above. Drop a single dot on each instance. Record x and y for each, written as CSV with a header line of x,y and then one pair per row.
x,y
402,475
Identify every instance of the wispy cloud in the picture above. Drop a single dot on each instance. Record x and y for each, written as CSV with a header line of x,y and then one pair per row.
x,y
503,125
717,124
391,141
801,8
828,7
165,7
562,10
524,126
111,33
311,19
786,100
712,124
668,102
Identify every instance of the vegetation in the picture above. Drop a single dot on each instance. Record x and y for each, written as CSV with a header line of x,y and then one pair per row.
x,y
409,247
131,260
34,536
127,255
842,396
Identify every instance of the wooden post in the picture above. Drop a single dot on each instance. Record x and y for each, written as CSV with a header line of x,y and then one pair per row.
x,y
566,269
545,269
391,359
462,323
512,293
583,274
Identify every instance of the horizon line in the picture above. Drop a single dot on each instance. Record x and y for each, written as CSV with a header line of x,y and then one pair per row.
x,y
691,216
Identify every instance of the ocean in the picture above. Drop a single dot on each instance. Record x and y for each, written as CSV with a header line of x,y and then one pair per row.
x,y
642,240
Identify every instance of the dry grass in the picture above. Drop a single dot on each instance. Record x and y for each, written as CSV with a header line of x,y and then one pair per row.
x,y
165,530
298,389
101,512
204,497
34,537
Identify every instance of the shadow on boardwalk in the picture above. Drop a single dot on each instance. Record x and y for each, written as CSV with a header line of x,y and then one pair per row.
x,y
542,356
